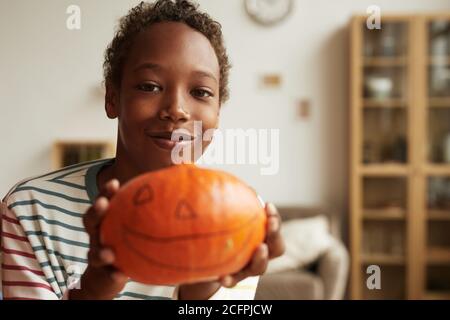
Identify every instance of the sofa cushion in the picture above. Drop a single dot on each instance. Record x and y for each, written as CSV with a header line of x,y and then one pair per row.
x,y
305,239
290,285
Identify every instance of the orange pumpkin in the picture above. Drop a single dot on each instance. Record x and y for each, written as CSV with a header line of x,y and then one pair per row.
x,y
183,224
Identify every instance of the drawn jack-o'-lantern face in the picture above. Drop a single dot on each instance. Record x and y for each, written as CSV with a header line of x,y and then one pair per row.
x,y
183,224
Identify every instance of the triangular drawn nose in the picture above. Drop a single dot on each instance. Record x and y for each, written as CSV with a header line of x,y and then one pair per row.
x,y
184,211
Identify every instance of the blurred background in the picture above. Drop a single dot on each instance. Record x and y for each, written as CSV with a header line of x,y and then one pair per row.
x,y
363,116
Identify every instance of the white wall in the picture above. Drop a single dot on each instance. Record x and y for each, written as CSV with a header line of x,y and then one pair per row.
x,y
49,86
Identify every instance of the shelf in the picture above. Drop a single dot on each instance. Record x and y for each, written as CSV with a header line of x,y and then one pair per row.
x,y
390,169
397,133
439,102
437,256
436,295
384,214
438,169
77,141
439,60
385,61
384,103
438,215
383,259
72,151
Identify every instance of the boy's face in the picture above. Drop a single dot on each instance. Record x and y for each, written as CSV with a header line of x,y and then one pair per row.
x,y
170,80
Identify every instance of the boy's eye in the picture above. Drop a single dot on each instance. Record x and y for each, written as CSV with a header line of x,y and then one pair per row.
x,y
201,93
149,87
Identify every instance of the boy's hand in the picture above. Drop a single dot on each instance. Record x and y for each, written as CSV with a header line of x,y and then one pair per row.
x,y
100,280
272,247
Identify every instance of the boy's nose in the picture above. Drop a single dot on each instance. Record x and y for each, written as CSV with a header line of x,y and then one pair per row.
x,y
175,109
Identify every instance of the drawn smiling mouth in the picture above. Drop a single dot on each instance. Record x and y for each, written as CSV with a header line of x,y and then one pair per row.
x,y
135,240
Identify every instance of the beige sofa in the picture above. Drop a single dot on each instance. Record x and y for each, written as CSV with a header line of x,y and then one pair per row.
x,y
326,278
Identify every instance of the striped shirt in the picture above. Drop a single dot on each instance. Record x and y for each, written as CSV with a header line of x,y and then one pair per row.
x,y
44,244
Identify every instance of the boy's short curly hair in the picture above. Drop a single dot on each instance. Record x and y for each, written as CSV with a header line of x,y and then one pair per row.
x,y
146,14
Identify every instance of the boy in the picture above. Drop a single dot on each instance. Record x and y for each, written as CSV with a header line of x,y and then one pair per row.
x,y
165,68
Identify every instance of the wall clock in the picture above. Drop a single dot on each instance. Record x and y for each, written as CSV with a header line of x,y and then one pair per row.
x,y
268,12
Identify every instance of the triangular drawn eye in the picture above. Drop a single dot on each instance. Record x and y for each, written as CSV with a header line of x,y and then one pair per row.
x,y
143,195
184,211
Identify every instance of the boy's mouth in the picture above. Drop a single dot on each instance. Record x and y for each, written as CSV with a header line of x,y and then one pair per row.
x,y
169,139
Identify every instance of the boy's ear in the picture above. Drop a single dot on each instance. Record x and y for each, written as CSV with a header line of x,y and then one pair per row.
x,y
111,101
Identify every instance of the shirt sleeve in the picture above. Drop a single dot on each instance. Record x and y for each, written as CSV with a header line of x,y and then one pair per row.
x,y
22,275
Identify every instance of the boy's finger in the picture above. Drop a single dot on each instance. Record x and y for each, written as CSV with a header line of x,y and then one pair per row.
x,y
94,215
100,257
257,266
227,281
109,188
275,244
118,276
273,218
274,239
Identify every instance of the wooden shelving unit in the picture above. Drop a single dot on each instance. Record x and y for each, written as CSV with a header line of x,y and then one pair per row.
x,y
438,256
399,175
383,260
442,60
68,152
431,295
437,170
438,215
385,61
439,102
384,214
385,103
384,170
